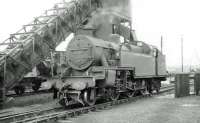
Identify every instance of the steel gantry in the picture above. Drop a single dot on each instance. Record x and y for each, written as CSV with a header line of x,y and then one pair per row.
x,y
34,41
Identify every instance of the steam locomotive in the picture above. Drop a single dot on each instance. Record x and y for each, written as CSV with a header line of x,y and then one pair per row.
x,y
105,60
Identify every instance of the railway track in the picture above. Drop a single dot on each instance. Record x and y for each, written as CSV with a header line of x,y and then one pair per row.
x,y
167,88
13,117
29,93
53,114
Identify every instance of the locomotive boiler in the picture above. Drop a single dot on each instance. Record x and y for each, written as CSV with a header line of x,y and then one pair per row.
x,y
108,61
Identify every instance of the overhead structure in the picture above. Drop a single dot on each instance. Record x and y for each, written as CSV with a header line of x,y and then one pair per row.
x,y
34,41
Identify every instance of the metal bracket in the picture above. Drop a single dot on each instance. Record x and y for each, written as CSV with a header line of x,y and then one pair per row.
x,y
47,16
25,33
10,43
36,24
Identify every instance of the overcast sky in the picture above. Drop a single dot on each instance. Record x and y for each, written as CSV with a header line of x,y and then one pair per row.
x,y
170,18
151,19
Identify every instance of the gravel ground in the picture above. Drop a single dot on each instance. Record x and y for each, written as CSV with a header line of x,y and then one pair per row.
x,y
159,109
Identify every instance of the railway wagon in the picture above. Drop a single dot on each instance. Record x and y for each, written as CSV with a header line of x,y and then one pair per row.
x,y
107,63
44,71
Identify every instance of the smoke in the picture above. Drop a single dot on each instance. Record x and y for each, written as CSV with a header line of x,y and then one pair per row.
x,y
121,6
106,13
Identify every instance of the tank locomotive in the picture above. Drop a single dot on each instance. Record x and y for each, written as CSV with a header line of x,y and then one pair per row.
x,y
105,60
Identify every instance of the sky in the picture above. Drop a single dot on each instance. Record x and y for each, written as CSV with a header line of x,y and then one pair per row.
x,y
151,19
172,19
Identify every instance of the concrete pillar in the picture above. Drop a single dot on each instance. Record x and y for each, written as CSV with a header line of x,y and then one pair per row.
x,y
182,87
197,83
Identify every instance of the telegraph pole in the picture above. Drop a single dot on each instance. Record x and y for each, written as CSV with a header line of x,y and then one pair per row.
x,y
182,52
161,44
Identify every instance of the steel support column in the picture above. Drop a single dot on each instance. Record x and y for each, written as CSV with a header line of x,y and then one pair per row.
x,y
2,85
